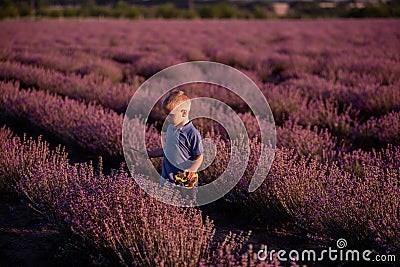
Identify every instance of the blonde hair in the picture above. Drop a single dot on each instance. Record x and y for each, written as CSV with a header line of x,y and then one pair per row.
x,y
173,99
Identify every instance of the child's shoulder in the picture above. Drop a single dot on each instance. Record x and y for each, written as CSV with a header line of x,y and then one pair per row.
x,y
192,130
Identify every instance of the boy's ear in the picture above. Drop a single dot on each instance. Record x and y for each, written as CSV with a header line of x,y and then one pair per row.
x,y
184,112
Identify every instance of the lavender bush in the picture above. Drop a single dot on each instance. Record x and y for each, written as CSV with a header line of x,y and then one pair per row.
x,y
89,88
88,125
383,130
111,211
340,198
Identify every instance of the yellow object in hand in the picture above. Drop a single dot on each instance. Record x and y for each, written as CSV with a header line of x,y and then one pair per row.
x,y
182,179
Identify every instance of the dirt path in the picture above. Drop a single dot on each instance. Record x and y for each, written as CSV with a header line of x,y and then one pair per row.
x,y
27,239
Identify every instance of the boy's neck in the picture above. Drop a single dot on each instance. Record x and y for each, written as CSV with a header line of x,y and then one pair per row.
x,y
183,123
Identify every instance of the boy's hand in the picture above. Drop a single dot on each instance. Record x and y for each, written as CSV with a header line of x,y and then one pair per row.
x,y
191,178
188,174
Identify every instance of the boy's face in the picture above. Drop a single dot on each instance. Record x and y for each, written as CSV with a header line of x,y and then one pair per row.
x,y
179,114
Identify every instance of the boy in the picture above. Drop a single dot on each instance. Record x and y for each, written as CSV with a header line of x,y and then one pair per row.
x,y
183,145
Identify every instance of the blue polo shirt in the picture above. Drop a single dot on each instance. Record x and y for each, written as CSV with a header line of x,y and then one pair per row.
x,y
181,147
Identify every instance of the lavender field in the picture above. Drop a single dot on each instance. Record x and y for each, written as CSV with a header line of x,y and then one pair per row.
x,y
333,87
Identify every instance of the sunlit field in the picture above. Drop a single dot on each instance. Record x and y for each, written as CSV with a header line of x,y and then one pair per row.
x,y
333,87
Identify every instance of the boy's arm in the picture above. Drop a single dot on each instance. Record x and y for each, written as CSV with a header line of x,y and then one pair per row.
x,y
197,150
196,164
156,153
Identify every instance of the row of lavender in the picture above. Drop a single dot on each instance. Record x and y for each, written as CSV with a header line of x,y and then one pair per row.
x,y
99,130
112,212
307,188
287,102
365,98
310,59
330,48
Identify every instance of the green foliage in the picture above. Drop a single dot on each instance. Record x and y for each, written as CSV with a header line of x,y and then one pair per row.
x,y
259,12
222,11
205,12
169,10
370,10
54,13
98,11
189,14
307,10
24,9
394,8
124,10
70,12
8,9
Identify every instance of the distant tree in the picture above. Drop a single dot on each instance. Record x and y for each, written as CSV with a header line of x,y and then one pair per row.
x,y
205,12
306,9
259,12
221,10
8,9
167,10
124,9
24,9
224,11
394,8
70,12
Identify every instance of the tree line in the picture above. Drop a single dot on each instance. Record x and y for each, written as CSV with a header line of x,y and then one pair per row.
x,y
190,9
